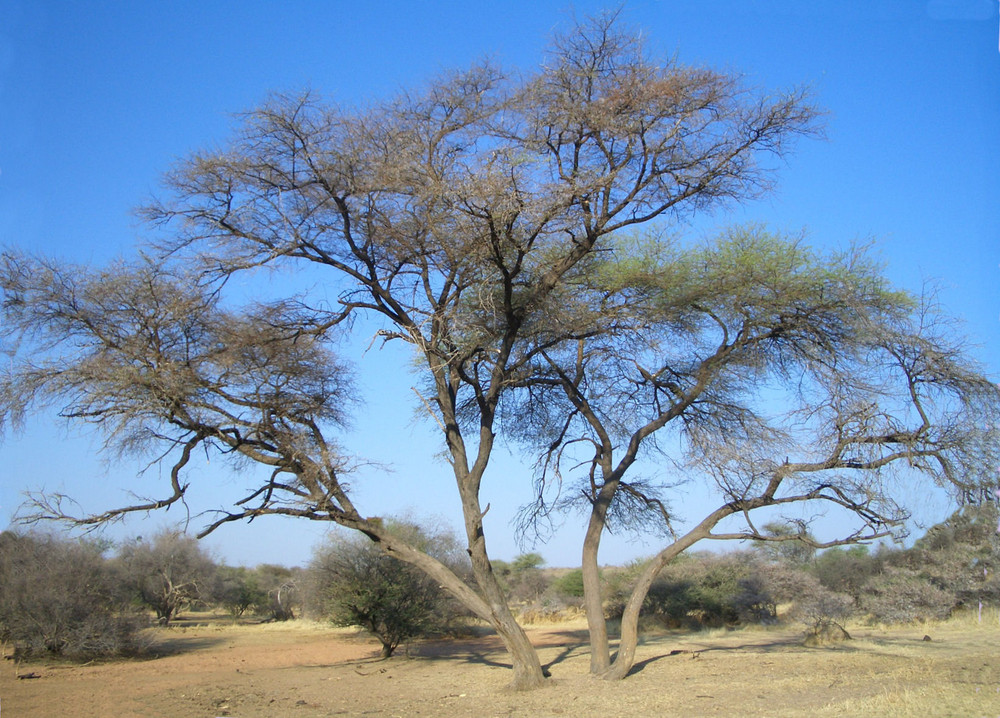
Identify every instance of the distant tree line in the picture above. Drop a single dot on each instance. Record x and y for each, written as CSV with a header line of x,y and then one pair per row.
x,y
80,599
953,566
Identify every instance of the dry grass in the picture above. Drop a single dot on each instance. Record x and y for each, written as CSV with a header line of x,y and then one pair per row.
x,y
308,669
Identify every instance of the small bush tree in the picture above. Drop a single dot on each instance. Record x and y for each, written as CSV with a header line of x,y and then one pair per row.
x,y
166,573
358,584
523,579
526,562
815,605
282,596
238,590
847,570
570,584
58,597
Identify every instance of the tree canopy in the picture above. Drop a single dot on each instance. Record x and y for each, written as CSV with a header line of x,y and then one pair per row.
x,y
510,230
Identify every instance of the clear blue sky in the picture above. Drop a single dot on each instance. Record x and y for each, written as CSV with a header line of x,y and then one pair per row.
x,y
97,99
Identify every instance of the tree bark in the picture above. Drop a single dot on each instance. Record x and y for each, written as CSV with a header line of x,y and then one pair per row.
x,y
527,667
625,658
600,652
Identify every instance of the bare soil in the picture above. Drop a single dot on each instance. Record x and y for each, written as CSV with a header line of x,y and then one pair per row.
x,y
302,669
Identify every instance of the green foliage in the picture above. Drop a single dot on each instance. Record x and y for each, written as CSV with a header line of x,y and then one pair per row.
x,y
526,562
59,597
239,590
746,274
847,570
383,596
569,584
358,584
710,590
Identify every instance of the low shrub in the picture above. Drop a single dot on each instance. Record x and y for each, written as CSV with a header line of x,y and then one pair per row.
x,y
709,590
569,585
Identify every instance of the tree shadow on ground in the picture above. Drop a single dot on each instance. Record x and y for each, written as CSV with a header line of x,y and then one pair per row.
x,y
558,646
164,646
488,650
484,651
697,649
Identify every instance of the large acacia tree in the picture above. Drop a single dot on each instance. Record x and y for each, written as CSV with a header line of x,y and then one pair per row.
x,y
460,217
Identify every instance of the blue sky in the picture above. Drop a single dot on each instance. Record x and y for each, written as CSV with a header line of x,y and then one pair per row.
x,y
97,99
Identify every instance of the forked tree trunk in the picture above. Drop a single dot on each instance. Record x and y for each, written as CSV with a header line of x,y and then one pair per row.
x,y
528,672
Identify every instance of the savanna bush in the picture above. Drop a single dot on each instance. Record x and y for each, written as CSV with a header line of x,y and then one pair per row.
x,y
523,579
167,572
711,590
238,590
569,585
815,605
282,592
900,595
354,583
848,570
960,556
60,597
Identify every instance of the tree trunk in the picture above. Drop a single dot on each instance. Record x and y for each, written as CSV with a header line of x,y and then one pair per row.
x,y
527,668
528,672
597,626
625,658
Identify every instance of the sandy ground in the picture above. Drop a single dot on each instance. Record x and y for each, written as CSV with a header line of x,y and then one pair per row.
x,y
304,670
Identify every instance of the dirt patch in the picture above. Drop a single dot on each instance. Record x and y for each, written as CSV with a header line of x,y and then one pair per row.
x,y
300,669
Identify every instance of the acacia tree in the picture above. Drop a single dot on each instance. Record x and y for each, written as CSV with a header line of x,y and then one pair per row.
x,y
780,377
454,215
